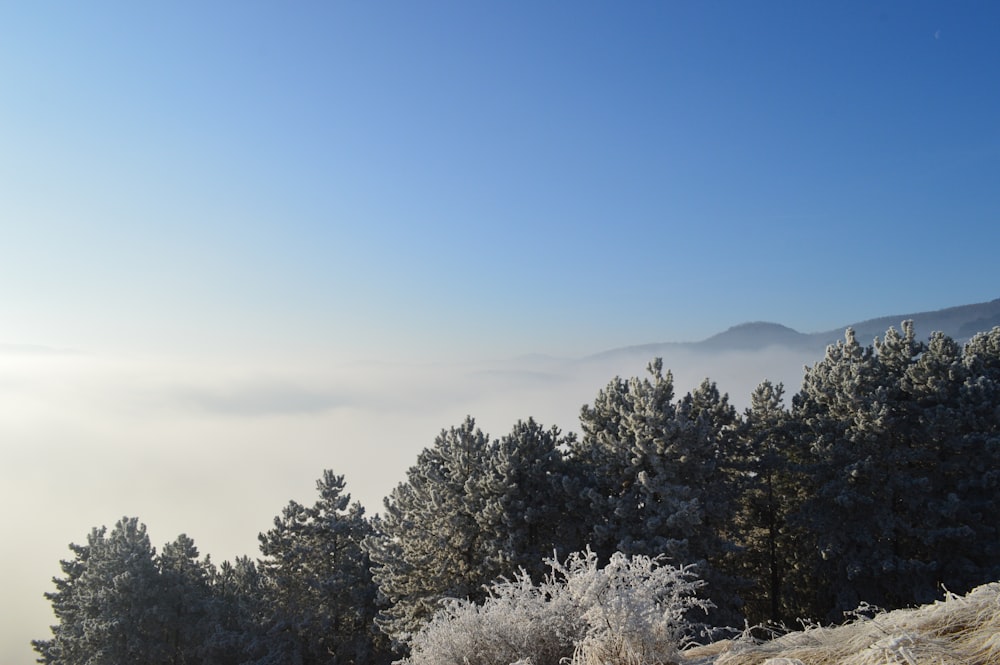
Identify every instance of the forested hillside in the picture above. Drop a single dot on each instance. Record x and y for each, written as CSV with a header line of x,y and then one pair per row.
x,y
878,482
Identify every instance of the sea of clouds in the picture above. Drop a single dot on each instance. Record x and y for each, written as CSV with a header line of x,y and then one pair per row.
x,y
216,450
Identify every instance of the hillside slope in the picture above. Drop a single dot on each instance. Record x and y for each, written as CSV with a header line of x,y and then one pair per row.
x,y
959,630
959,323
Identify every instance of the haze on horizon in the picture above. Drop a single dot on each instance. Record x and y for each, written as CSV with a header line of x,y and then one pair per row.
x,y
244,243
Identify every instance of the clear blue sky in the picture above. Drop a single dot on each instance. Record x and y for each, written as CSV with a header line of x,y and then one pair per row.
x,y
228,210
489,178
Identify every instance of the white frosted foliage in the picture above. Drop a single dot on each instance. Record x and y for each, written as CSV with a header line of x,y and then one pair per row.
x,y
633,610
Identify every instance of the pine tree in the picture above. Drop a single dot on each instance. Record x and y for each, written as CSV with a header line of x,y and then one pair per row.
x,y
529,501
108,605
772,549
429,544
958,391
186,601
712,466
979,397
638,504
824,409
895,460
239,607
658,476
319,588
902,469
67,643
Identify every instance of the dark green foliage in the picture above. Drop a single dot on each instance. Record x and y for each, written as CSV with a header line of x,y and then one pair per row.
x,y
121,603
714,469
901,470
863,470
319,592
67,643
772,552
239,607
472,510
960,408
638,503
659,477
186,601
428,544
116,605
529,495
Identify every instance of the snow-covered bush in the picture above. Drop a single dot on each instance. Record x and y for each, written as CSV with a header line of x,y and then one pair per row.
x,y
518,621
633,611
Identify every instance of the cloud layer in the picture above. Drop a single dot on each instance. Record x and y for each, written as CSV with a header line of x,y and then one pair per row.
x,y
217,451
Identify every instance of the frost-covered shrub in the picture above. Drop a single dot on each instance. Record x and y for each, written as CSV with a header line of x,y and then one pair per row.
x,y
634,611
518,621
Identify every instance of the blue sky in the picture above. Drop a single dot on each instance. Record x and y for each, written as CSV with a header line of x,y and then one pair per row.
x,y
424,179
241,242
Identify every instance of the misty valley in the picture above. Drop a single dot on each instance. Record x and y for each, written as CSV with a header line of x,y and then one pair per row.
x,y
671,520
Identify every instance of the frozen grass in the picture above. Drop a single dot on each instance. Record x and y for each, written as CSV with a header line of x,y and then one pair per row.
x,y
959,630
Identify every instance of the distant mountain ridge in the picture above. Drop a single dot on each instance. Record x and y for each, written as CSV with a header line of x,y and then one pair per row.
x,y
960,323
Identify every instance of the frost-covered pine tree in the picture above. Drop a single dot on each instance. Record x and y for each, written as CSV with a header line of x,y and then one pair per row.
x,y
186,602
979,447
657,475
239,609
530,505
429,543
638,503
713,466
901,438
472,510
319,589
67,644
864,472
957,392
108,606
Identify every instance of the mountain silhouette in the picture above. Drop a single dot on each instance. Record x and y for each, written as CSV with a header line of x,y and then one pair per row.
x,y
960,323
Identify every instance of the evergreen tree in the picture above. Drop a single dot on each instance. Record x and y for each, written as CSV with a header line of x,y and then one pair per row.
x,y
185,601
319,589
67,644
238,611
713,467
659,476
771,491
429,544
824,409
958,392
901,443
109,605
637,501
844,406
529,501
